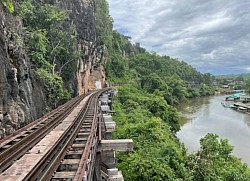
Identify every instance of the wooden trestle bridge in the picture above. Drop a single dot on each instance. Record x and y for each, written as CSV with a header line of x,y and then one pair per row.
x,y
73,142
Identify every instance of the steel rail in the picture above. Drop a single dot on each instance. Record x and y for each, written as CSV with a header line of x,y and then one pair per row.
x,y
35,123
92,155
25,130
94,135
8,156
86,152
46,167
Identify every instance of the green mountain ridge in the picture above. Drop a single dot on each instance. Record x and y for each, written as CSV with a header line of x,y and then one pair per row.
x,y
233,76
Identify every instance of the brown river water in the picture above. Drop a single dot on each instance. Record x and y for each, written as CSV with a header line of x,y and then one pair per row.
x,y
206,115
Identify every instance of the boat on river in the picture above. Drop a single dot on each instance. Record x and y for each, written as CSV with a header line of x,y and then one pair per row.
x,y
226,104
242,109
233,97
232,106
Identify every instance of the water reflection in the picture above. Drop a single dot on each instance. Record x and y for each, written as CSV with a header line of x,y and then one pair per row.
x,y
188,110
207,115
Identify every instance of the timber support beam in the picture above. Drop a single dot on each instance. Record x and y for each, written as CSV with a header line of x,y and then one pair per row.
x,y
116,145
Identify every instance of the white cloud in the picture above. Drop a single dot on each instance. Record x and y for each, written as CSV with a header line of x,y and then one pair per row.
x,y
247,69
210,35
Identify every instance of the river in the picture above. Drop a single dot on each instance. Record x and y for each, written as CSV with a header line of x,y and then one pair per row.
x,y
206,115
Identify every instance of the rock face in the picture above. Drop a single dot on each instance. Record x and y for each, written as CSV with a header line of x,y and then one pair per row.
x,y
82,13
21,96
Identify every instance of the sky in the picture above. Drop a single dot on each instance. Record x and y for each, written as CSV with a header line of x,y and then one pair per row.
x,y
211,35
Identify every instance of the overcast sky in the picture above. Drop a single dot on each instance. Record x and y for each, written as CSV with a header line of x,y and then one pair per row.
x,y
211,35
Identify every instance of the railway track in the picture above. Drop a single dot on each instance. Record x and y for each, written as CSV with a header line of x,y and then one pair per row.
x,y
31,134
69,156
72,156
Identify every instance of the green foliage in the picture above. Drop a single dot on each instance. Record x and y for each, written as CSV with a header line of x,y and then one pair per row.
x,y
215,161
145,118
53,85
234,76
247,86
8,5
118,47
193,92
151,86
178,79
52,46
176,88
152,82
240,78
115,67
38,47
208,79
104,23
144,105
50,41
37,15
158,154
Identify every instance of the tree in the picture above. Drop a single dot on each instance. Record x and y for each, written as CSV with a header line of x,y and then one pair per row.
x,y
156,155
152,82
52,47
208,79
215,161
247,86
38,43
178,90
240,78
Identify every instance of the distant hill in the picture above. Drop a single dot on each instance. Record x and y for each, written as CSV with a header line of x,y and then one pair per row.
x,y
234,76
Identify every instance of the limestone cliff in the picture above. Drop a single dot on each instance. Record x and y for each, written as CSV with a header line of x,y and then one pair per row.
x,y
22,95
82,13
